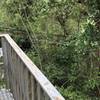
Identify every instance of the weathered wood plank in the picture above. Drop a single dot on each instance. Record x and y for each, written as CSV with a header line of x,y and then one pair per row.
x,y
4,48
42,88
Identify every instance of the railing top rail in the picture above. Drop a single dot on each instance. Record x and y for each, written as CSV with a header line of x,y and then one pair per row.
x,y
38,75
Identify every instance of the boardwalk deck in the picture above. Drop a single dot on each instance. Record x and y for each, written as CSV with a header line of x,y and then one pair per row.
x,y
5,95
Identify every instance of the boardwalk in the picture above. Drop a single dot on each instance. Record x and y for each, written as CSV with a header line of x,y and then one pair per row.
x,y
5,95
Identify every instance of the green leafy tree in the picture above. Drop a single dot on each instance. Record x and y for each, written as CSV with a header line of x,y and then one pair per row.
x,y
64,39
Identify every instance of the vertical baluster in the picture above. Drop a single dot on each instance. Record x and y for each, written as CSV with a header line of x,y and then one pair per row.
x,y
15,74
9,66
18,66
46,97
42,94
11,76
26,73
5,59
38,92
33,88
21,80
29,86
12,67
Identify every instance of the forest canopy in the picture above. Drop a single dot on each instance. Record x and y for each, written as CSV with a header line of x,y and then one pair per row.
x,y
62,37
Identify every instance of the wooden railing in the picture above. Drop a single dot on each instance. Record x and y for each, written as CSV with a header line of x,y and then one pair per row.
x,y
25,80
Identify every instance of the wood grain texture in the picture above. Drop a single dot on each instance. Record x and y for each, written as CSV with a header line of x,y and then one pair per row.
x,y
26,80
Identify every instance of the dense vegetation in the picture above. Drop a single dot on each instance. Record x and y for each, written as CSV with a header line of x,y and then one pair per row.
x,y
62,37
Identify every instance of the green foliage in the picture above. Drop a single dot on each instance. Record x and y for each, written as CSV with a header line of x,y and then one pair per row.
x,y
64,38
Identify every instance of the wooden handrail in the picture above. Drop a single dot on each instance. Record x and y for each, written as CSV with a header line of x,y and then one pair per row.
x,y
25,80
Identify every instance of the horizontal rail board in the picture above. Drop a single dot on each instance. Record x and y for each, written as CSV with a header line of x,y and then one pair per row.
x,y
43,82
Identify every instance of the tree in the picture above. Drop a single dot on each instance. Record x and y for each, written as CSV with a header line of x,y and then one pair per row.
x,y
65,41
